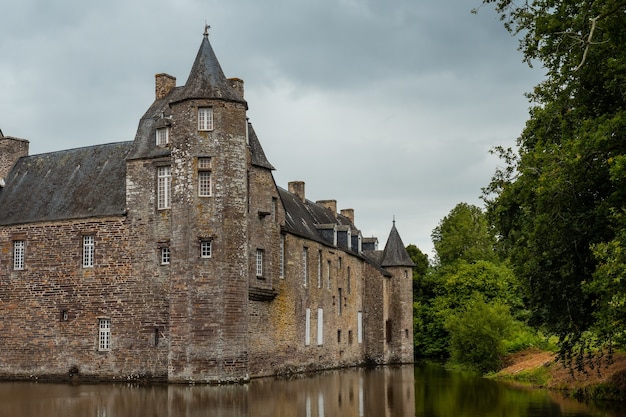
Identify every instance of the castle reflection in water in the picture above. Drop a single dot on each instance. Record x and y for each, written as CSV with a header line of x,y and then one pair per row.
x,y
384,391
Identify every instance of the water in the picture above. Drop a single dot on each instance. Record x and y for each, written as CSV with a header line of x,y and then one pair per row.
x,y
423,390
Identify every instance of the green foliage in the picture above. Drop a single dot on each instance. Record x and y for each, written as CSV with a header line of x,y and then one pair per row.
x,y
463,235
477,334
419,258
469,274
557,203
538,377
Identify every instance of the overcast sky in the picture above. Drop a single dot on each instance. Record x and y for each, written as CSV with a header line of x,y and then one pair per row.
x,y
389,107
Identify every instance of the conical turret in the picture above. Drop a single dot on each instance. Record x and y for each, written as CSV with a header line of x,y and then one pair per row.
x,y
206,79
395,253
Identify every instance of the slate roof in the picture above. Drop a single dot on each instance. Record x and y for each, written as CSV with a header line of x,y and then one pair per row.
x,y
258,157
301,218
206,79
71,184
395,253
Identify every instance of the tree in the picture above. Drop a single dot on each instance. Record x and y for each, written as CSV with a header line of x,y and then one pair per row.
x,y
419,258
557,203
468,272
464,234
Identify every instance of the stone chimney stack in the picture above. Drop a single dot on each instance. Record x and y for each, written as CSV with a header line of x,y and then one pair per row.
x,y
349,213
330,205
237,84
297,188
163,84
11,149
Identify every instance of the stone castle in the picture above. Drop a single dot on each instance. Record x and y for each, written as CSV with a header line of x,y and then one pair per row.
x,y
175,257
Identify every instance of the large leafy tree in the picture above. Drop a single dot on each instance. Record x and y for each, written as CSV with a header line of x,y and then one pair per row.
x,y
464,234
558,203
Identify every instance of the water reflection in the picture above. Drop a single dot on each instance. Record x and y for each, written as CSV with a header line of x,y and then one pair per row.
x,y
383,392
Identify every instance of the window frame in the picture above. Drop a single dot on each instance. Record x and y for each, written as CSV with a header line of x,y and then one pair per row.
x,y
165,255
282,257
206,248
162,136
104,334
205,119
164,187
259,263
89,251
305,266
19,254
205,179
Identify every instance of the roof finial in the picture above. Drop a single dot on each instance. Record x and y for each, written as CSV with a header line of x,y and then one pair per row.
x,y
206,29
394,220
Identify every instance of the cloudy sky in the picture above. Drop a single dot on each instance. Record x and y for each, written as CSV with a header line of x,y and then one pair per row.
x,y
389,107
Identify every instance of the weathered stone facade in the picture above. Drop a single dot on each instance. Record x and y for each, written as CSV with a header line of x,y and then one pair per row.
x,y
176,257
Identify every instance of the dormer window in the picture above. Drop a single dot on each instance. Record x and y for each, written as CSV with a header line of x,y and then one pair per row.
x,y
163,136
205,118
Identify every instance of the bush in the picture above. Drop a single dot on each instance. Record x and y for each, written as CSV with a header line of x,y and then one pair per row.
x,y
478,333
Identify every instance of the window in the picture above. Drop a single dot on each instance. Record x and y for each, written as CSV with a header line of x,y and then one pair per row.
x,y
319,269
359,327
259,263
307,327
320,327
328,275
206,248
88,251
164,187
274,208
104,334
163,136
305,266
205,118
18,255
165,255
349,279
339,302
282,256
204,177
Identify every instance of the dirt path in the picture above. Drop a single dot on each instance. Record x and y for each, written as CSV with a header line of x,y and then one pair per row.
x,y
561,377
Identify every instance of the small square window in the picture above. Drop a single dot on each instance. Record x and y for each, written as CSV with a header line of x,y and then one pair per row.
x,y
205,118
163,136
206,248
165,255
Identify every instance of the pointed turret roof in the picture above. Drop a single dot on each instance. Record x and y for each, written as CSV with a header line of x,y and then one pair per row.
x,y
395,253
206,79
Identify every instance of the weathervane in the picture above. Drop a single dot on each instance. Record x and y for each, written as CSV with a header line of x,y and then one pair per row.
x,y
206,29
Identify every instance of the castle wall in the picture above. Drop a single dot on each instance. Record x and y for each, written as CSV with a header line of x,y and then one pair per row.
x,y
280,341
208,296
51,308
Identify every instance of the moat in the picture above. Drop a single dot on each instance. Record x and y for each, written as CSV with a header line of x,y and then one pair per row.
x,y
420,390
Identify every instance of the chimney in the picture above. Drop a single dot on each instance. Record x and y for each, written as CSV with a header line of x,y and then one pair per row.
x,y
237,84
297,188
329,204
163,85
11,149
349,213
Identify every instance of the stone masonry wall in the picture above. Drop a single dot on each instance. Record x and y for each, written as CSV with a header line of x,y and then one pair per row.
x,y
51,308
11,149
278,337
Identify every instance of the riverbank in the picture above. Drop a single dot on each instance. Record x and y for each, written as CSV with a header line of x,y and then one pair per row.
x,y
541,369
